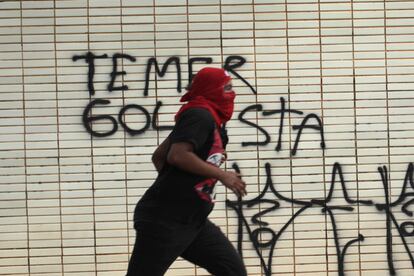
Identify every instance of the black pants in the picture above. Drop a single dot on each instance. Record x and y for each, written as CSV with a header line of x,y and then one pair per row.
x,y
159,242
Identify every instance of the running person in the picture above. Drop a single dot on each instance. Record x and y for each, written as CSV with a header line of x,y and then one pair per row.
x,y
171,218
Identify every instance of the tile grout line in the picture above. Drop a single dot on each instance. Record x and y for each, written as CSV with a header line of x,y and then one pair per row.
x,y
92,154
57,139
24,138
323,151
125,141
290,134
355,131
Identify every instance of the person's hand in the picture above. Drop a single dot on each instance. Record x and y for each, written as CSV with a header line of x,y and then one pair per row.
x,y
234,182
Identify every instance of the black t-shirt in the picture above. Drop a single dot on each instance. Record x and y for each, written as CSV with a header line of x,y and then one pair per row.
x,y
180,195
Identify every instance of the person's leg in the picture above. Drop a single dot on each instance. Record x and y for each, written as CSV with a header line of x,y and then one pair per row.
x,y
213,251
157,245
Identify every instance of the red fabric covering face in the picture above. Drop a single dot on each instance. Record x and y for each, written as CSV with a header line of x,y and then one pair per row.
x,y
207,91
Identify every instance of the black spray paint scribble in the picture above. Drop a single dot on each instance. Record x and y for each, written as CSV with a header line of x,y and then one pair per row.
x,y
259,226
282,111
90,60
87,118
403,228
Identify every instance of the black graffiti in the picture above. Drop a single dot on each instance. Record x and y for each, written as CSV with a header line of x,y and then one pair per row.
x,y
90,60
144,112
115,72
88,119
254,234
390,218
191,61
261,227
230,64
282,111
233,62
153,61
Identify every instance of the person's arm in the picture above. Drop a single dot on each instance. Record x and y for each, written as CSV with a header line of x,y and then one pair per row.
x,y
160,155
182,156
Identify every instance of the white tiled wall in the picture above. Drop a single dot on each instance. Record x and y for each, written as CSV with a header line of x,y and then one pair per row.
x,y
67,197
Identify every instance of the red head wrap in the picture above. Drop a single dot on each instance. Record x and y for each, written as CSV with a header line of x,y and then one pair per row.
x,y
207,91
